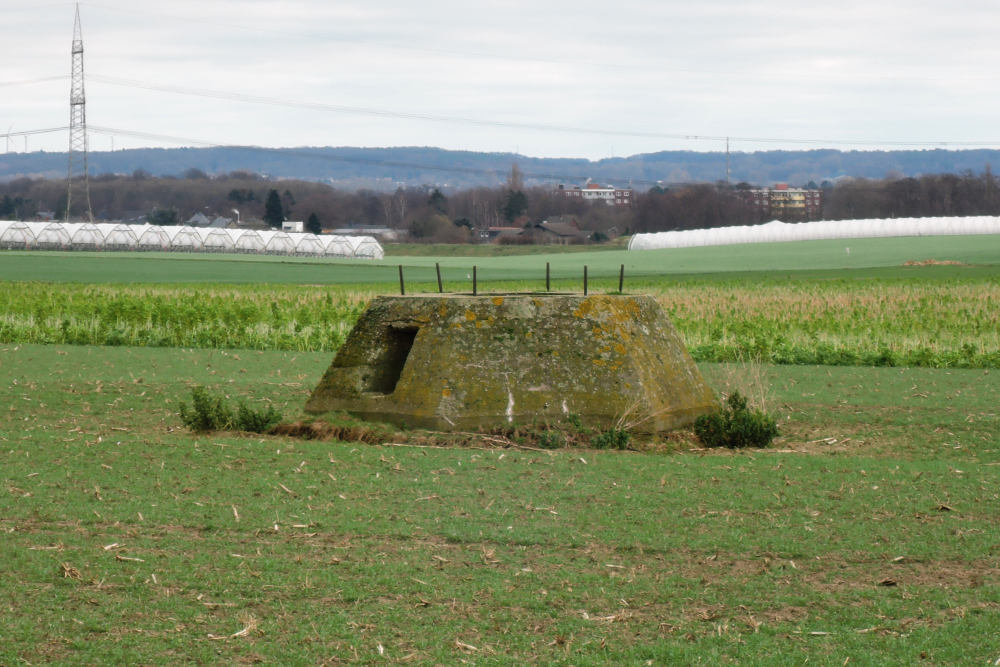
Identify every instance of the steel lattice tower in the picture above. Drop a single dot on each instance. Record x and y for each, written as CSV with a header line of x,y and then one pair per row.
x,y
78,180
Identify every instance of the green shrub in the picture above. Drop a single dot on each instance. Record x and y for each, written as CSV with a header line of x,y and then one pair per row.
x,y
736,426
256,421
551,440
209,412
616,438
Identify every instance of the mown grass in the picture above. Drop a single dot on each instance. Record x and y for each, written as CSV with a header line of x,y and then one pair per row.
x,y
496,267
868,534
492,249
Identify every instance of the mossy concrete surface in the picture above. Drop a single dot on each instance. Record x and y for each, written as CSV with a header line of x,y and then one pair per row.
x,y
459,362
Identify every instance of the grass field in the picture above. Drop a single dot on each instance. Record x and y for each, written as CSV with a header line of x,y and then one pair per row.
x,y
766,258
868,534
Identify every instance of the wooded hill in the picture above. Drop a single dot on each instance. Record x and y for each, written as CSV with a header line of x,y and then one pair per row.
x,y
466,214
386,169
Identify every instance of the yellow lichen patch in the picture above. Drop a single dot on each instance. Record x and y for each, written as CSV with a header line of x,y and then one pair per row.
x,y
498,301
446,392
470,316
585,308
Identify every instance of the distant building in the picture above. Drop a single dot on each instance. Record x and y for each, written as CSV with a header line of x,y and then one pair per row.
x,y
500,232
784,203
293,226
609,194
198,220
202,220
561,232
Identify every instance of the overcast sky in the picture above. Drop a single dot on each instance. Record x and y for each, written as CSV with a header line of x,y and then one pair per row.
x,y
546,78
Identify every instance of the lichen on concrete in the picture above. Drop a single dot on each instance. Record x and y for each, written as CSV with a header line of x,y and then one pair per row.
x,y
458,362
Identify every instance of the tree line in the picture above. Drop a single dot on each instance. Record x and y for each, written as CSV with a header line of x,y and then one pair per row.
x,y
433,214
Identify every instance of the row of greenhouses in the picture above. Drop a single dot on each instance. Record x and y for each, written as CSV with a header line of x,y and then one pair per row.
x,y
824,229
16,235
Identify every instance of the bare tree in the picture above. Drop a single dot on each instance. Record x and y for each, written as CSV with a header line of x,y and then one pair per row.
x,y
515,180
401,204
386,201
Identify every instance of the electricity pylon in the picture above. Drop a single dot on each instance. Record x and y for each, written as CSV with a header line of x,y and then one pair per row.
x,y
78,181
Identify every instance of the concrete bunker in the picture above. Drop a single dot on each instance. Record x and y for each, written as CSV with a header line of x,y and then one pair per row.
x,y
460,362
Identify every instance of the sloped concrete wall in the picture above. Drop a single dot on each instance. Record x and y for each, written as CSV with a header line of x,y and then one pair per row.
x,y
456,362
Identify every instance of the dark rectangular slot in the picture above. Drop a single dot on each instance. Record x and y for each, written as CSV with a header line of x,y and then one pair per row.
x,y
389,367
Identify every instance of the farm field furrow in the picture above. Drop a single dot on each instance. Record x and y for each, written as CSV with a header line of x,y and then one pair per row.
x,y
867,534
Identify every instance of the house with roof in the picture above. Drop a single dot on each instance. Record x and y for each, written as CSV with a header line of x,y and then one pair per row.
x,y
564,230
609,194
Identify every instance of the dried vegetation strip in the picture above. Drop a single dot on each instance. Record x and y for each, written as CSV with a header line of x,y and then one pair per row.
x,y
900,322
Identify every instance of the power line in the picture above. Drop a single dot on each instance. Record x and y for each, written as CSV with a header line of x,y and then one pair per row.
x,y
314,155
319,106
26,82
317,155
515,56
28,133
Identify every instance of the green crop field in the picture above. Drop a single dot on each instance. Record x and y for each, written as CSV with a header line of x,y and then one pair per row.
x,y
867,534
808,256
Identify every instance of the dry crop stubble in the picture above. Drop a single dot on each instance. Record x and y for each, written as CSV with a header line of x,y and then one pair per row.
x,y
901,322
339,550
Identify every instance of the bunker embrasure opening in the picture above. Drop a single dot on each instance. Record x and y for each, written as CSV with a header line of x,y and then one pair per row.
x,y
389,366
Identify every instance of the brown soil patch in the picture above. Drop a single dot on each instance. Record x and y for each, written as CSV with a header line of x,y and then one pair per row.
x,y
933,262
320,430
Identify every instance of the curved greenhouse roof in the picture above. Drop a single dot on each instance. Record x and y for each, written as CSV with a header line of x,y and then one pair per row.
x,y
777,231
152,237
52,236
15,235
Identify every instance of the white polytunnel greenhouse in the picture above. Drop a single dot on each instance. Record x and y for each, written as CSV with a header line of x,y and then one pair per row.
x,y
336,245
52,236
15,235
777,231
214,239
183,238
278,243
86,237
246,241
152,237
309,245
367,247
118,236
